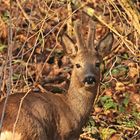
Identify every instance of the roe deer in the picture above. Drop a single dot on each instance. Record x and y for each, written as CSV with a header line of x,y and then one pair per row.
x,y
60,116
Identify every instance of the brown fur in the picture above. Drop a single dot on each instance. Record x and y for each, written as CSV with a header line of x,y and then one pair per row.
x,y
54,116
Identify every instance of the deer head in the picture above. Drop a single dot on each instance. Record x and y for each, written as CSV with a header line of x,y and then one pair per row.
x,y
85,56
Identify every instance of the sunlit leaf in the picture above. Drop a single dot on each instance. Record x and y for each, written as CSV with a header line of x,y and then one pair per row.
x,y
2,47
108,103
106,133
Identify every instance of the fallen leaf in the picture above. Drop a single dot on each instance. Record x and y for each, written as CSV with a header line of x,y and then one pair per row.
x,y
120,86
133,72
115,137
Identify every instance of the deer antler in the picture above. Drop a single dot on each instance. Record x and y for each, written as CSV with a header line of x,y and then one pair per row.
x,y
80,43
91,35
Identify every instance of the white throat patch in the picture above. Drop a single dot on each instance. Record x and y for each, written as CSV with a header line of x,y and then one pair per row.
x,y
8,135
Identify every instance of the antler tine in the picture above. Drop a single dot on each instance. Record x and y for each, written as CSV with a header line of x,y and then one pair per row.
x,y
91,35
79,40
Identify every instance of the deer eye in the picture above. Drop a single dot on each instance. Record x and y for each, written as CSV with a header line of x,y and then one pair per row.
x,y
77,65
97,64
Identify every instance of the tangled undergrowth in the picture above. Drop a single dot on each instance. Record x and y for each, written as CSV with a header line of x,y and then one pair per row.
x,y
32,57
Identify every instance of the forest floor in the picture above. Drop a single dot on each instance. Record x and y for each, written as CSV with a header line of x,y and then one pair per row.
x,y
32,57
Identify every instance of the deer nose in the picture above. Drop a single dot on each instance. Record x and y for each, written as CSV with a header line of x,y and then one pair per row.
x,y
89,80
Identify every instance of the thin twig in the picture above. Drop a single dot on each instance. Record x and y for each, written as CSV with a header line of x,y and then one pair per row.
x,y
25,15
9,59
19,109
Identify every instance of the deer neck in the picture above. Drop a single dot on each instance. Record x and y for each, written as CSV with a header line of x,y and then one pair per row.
x,y
81,99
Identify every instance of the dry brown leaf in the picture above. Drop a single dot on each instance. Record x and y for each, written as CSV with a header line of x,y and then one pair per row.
x,y
133,72
21,37
135,99
108,92
3,29
98,109
120,86
115,137
41,68
131,88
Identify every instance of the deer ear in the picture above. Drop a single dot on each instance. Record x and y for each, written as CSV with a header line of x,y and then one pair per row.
x,y
105,45
69,45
